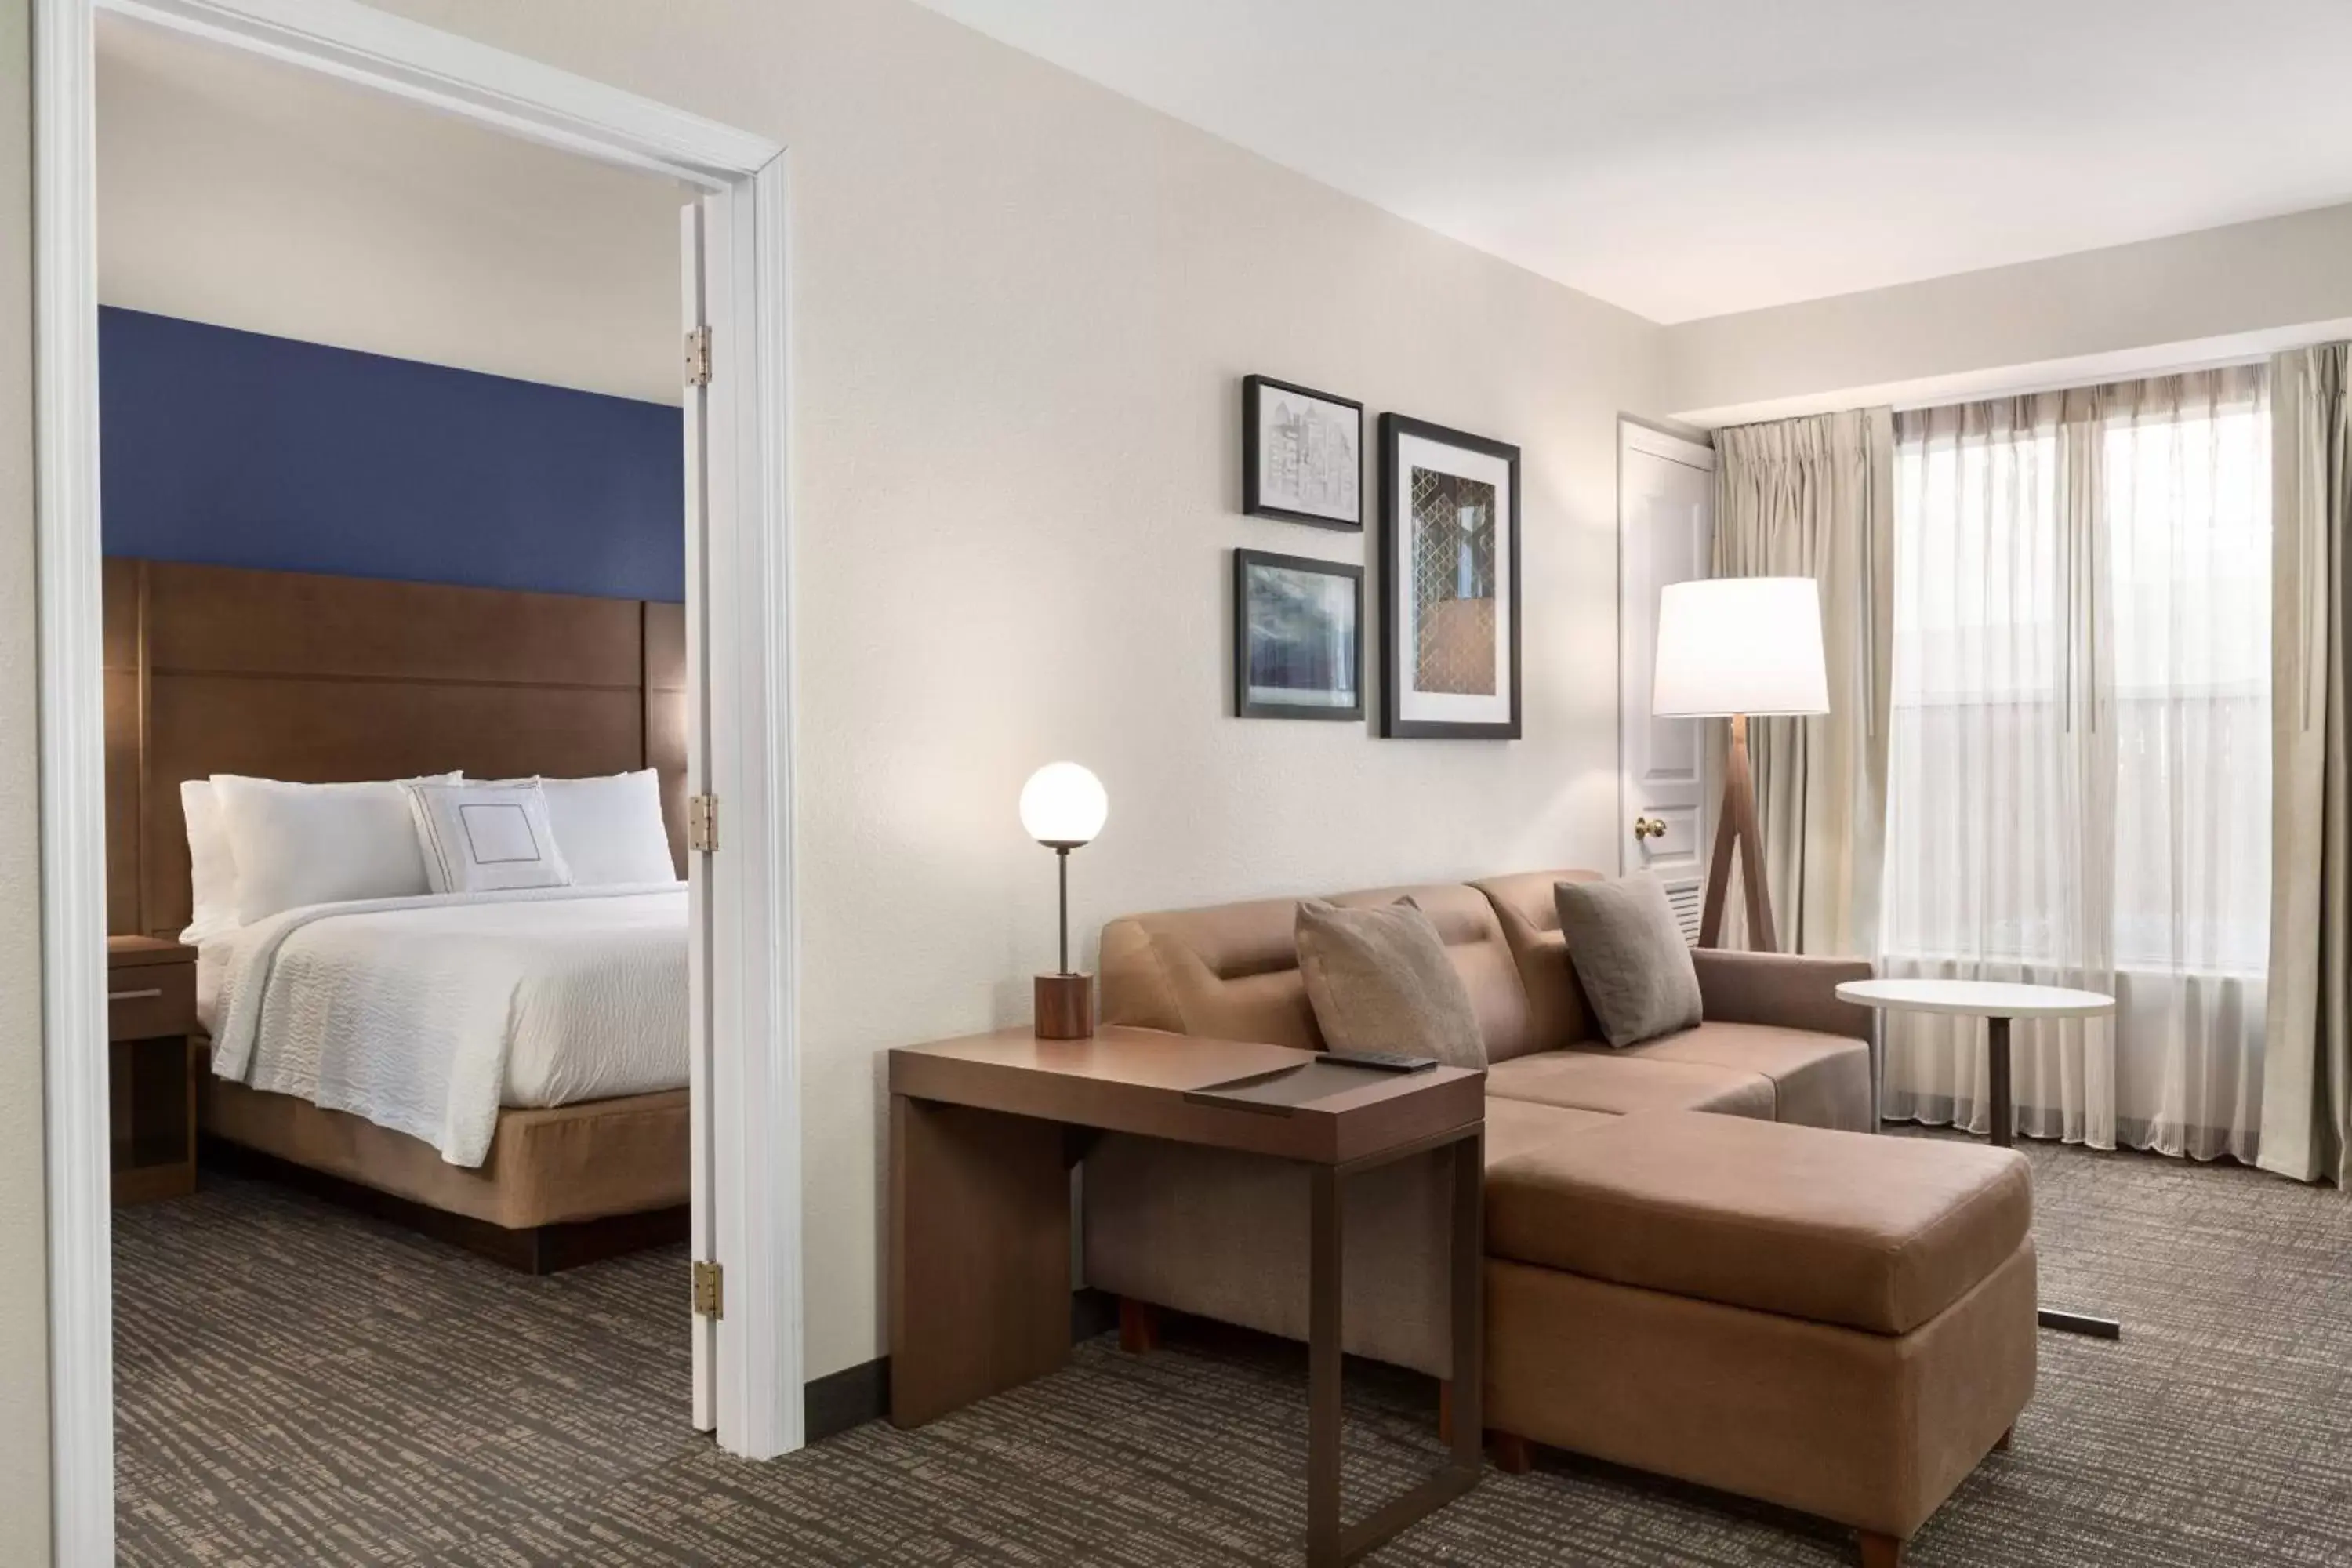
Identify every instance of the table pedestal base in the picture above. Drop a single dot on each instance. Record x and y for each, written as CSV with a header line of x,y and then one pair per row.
x,y
2081,1323
2003,1119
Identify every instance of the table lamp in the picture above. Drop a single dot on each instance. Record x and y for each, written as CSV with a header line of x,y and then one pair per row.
x,y
1737,648
1063,806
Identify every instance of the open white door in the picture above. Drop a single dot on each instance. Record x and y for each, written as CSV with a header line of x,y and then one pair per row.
x,y
1666,530
747,1148
746,1118
703,1245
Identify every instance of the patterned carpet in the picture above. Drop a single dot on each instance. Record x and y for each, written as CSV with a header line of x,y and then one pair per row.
x,y
299,1386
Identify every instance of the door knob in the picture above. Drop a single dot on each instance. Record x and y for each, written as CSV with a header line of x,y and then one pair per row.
x,y
1648,828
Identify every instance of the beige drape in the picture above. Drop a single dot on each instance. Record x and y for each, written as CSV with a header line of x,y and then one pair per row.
x,y
2307,1068
1813,498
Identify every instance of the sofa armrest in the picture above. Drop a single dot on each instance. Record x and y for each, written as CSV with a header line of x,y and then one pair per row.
x,y
1794,991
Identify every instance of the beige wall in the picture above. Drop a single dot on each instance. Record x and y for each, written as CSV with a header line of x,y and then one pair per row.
x,y
24,1285
248,194
1023,307
2130,310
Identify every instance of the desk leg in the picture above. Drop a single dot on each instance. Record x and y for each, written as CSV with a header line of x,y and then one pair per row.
x,y
980,1255
1329,1543
1323,1342
1469,1305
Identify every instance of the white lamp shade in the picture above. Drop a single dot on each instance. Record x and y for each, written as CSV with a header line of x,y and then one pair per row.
x,y
1063,804
1739,644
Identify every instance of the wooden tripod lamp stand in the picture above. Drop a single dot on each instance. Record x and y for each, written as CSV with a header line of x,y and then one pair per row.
x,y
1739,648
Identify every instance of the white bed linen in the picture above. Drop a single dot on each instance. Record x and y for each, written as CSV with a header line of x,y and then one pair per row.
x,y
425,1014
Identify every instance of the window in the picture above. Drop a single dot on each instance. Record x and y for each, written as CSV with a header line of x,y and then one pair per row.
x,y
2079,764
2186,514
2082,679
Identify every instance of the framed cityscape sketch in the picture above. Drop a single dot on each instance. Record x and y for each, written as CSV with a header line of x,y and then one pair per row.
x,y
1298,638
1449,550
1302,454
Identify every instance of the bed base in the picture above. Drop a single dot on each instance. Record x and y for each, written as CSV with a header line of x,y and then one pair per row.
x,y
536,1250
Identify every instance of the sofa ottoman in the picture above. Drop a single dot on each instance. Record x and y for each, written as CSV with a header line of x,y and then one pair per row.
x,y
1836,1322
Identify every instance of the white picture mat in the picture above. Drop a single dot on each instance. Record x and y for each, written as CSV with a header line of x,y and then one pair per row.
x,y
1273,402
1452,707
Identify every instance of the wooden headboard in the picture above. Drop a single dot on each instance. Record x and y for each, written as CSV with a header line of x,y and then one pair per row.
x,y
319,680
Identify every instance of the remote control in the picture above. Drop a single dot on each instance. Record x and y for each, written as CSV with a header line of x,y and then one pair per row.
x,y
1386,1062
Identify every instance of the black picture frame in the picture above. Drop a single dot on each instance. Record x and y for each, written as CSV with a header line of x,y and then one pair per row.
x,y
1254,500
1247,707
1393,541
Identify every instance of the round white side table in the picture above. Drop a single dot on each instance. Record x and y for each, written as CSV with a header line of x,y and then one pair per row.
x,y
1996,1003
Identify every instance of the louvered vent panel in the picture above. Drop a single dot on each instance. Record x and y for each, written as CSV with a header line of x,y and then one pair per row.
x,y
1686,899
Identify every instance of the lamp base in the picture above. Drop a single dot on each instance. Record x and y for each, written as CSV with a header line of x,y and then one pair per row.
x,y
1065,1006
1736,830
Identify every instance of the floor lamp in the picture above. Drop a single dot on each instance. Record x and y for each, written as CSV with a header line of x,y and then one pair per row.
x,y
1737,648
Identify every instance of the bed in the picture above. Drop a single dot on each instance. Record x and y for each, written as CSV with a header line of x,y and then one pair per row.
x,y
506,1068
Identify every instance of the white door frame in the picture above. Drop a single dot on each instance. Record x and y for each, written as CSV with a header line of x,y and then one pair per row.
x,y
1634,437
754,1114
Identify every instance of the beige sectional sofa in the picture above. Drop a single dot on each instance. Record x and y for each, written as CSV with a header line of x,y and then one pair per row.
x,y
1701,1260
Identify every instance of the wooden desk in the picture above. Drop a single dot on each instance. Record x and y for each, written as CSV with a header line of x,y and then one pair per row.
x,y
985,1131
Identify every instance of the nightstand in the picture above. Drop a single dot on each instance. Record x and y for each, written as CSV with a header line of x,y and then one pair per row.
x,y
150,1013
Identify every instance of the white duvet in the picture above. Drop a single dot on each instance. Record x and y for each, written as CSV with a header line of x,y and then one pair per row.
x,y
427,1014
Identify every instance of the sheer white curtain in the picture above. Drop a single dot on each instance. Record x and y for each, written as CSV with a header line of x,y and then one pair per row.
x,y
2079,780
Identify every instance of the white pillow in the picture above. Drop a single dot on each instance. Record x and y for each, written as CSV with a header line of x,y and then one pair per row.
x,y
297,844
212,867
486,837
610,829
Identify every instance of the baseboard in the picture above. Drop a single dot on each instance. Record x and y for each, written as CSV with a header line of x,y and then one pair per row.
x,y
856,1395
850,1397
1092,1313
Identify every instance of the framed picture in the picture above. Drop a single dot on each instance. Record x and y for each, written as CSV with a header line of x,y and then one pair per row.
x,y
1298,637
1449,552
1302,454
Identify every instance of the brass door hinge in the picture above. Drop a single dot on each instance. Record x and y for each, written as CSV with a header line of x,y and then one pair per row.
x,y
710,1290
697,357
702,823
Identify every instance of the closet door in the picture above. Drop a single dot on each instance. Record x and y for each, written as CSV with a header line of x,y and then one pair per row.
x,y
1666,525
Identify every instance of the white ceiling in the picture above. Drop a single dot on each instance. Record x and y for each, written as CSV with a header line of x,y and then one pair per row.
x,y
1686,158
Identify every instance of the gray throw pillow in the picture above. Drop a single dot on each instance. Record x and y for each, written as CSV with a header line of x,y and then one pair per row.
x,y
1380,981
1630,955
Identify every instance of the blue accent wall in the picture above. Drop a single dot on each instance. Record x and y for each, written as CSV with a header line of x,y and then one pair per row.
x,y
231,448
